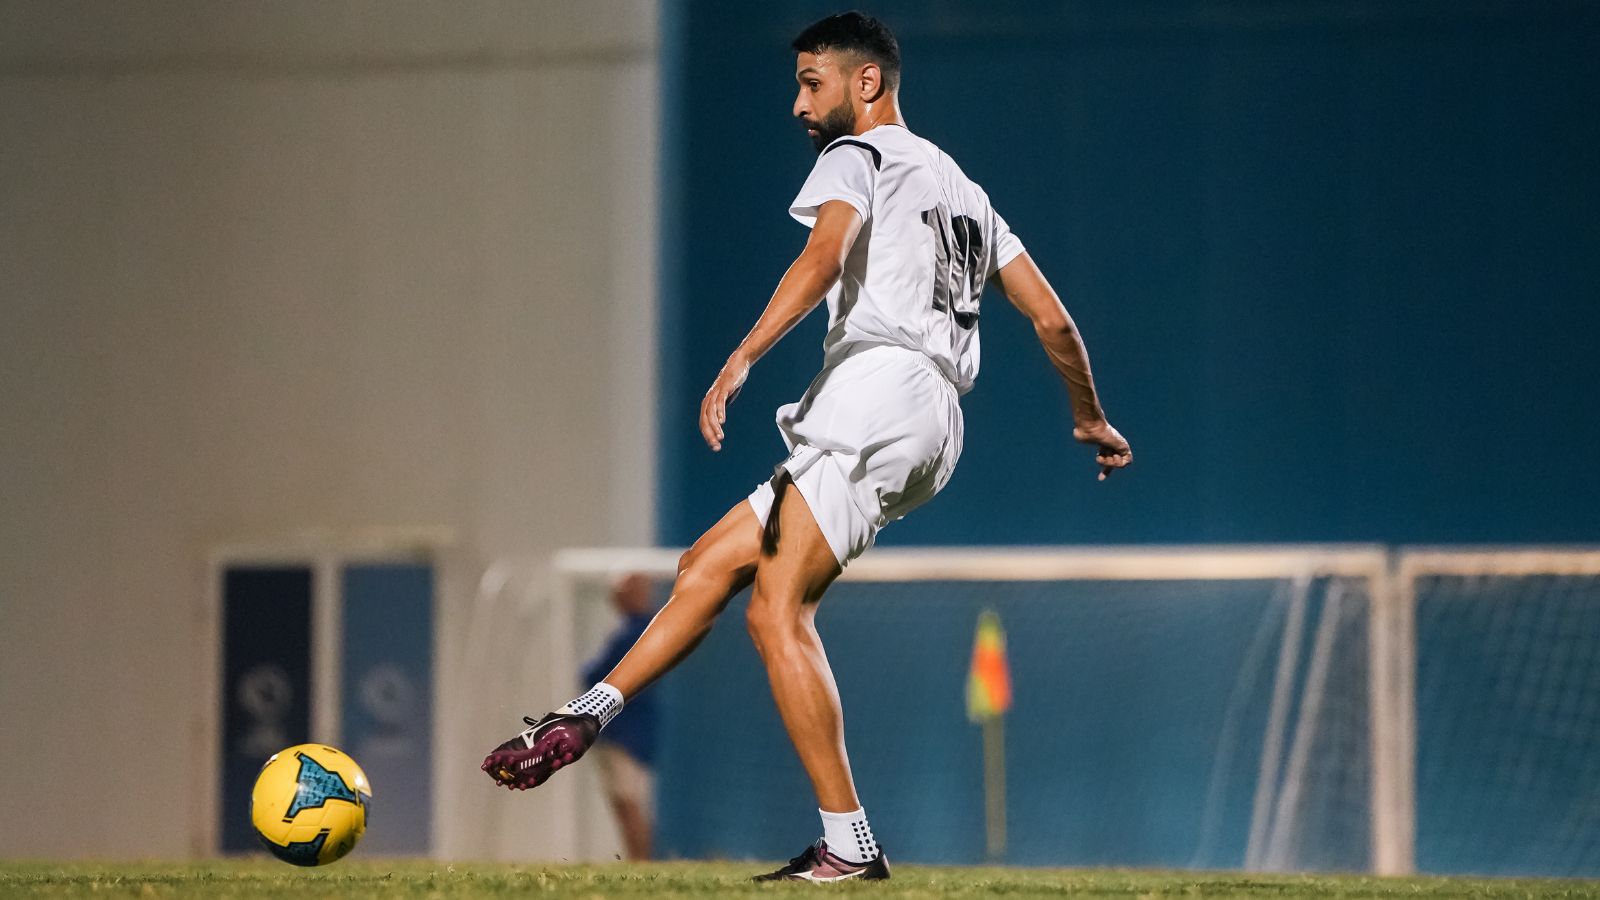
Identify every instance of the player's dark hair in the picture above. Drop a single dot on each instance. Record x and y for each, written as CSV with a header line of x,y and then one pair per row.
x,y
857,33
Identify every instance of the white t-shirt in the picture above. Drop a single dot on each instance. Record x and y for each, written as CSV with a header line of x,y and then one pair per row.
x,y
929,241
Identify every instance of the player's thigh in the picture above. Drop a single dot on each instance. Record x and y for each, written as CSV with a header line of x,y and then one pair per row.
x,y
800,564
727,553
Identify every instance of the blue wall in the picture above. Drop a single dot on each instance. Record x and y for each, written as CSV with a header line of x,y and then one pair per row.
x,y
1338,264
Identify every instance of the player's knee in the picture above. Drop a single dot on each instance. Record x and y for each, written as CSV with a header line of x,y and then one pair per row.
x,y
688,560
706,563
768,621
705,579
694,585
757,621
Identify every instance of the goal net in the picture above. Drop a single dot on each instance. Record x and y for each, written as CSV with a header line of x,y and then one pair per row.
x,y
1195,708
1507,709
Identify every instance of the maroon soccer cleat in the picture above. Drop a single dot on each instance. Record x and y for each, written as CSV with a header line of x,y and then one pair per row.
x,y
530,758
819,865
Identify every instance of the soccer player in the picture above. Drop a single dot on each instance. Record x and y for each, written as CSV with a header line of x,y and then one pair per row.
x,y
901,245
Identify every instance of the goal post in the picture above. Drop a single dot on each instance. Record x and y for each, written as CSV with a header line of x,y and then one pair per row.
x,y
1392,661
1272,708
1316,603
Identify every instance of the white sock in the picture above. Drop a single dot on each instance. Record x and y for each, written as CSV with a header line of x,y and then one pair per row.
x,y
601,701
848,835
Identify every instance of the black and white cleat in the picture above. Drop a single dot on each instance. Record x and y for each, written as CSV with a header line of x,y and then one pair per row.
x,y
816,864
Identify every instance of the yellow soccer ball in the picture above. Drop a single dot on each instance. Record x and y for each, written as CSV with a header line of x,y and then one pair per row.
x,y
310,804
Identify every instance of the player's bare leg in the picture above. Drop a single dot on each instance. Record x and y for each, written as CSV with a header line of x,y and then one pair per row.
x,y
789,581
796,567
720,564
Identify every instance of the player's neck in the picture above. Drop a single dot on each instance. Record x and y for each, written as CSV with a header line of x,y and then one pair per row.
x,y
884,112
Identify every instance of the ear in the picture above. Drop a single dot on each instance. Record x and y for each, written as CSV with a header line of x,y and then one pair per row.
x,y
869,82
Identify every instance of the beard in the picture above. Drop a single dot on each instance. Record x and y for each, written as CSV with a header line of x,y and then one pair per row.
x,y
835,124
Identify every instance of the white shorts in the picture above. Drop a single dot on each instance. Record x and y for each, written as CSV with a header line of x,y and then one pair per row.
x,y
876,435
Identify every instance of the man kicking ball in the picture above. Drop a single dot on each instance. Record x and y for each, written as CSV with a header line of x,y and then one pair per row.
x,y
901,246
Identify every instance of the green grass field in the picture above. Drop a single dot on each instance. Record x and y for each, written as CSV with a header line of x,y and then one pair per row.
x,y
366,878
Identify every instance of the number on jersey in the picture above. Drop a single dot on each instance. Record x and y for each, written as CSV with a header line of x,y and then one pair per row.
x,y
958,264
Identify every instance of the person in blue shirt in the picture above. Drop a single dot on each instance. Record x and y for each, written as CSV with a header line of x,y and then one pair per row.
x,y
626,750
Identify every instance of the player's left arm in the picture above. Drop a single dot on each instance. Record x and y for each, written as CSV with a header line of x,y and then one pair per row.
x,y
1025,286
805,284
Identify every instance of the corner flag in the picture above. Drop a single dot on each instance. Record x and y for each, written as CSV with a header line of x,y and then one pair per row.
x,y
989,680
988,698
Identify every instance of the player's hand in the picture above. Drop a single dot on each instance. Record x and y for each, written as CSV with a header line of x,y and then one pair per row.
x,y
1111,448
714,408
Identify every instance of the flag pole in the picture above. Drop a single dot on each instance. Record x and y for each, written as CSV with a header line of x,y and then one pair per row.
x,y
994,785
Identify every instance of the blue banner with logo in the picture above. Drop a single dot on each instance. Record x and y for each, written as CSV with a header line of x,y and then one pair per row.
x,y
266,682
387,698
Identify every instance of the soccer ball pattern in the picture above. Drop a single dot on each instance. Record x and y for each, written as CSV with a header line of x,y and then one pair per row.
x,y
309,806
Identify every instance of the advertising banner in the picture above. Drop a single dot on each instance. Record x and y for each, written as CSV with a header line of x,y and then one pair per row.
x,y
387,698
266,682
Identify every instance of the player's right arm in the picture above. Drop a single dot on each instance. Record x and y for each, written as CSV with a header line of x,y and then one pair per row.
x,y
803,286
1025,286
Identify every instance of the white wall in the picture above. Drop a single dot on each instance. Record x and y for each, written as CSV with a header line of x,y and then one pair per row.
x,y
303,265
